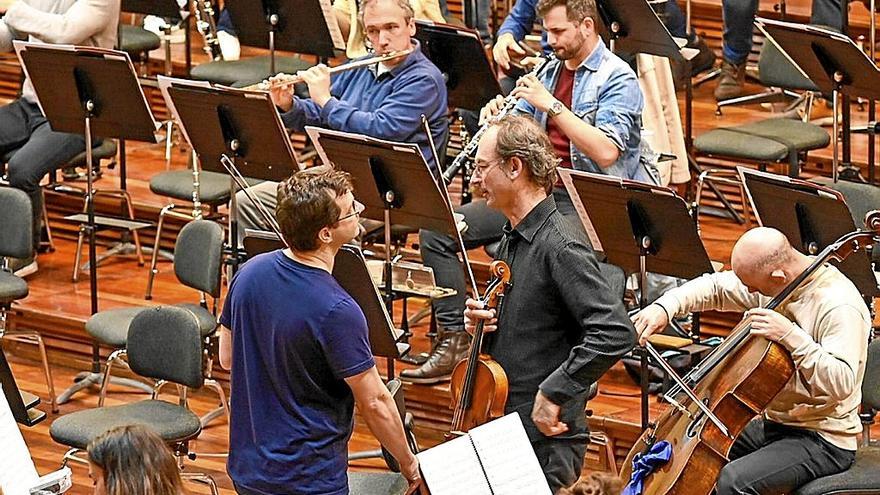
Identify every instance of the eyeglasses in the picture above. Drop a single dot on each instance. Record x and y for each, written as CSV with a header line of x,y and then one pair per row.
x,y
358,208
482,168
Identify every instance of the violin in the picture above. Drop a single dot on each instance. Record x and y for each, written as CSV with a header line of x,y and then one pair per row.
x,y
714,402
479,385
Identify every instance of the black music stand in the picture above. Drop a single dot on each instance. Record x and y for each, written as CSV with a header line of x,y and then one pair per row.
x,y
22,404
811,217
459,54
641,228
301,26
834,63
394,183
89,91
232,131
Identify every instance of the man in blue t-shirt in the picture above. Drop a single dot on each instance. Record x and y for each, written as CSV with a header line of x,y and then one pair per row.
x,y
298,350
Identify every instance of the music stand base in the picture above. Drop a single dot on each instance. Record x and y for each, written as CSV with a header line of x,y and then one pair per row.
x,y
86,379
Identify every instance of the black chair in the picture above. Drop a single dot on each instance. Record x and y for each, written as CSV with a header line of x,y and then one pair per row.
x,y
17,242
864,475
164,344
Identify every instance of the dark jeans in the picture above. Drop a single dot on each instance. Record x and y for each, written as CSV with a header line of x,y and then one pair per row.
x,y
770,458
440,252
35,150
739,16
561,460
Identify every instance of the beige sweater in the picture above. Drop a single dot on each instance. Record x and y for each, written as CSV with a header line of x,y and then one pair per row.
x,y
70,22
828,346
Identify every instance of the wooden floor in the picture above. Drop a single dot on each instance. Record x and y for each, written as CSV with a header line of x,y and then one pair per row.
x,y
58,308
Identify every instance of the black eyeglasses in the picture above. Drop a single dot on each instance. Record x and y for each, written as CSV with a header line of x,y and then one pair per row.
x,y
358,209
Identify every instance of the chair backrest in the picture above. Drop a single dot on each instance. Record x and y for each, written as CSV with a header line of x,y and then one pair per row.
x,y
775,69
198,255
871,382
16,240
164,344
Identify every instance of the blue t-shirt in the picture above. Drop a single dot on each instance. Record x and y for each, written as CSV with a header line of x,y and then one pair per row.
x,y
296,335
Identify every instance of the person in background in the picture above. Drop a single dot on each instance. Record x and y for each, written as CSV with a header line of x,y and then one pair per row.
x,y
133,460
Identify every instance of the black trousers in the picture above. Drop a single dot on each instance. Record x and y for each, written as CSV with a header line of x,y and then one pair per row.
x,y
769,458
35,150
561,460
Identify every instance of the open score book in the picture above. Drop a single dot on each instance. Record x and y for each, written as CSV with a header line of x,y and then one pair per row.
x,y
492,459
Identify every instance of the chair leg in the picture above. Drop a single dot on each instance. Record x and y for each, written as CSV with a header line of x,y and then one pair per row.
x,y
102,394
126,196
78,255
33,337
49,238
222,410
155,255
202,478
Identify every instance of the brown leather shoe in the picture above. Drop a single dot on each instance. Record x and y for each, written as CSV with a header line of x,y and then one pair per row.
x,y
452,348
730,83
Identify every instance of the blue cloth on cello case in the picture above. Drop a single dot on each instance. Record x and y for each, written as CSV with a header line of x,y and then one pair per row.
x,y
645,464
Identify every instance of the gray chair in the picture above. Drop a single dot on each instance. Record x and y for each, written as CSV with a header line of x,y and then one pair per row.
x,y
164,344
864,475
17,242
246,71
393,483
198,259
212,189
860,198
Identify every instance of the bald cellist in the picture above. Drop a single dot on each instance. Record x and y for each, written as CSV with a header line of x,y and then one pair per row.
x,y
809,429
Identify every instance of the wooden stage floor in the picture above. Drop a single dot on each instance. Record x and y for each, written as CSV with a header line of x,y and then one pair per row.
x,y
59,307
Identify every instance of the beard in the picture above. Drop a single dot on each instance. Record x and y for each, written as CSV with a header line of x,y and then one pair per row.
x,y
570,50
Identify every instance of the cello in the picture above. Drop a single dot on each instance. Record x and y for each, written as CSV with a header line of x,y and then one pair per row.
x,y
714,402
479,384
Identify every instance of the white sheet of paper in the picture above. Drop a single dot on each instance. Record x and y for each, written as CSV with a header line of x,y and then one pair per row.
x,y
508,458
17,471
332,24
452,468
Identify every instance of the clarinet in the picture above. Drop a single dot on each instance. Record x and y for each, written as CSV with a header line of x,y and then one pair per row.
x,y
468,151
206,26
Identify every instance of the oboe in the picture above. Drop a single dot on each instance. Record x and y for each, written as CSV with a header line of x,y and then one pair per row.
x,y
470,148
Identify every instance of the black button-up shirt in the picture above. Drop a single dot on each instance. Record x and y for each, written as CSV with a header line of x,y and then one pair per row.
x,y
560,327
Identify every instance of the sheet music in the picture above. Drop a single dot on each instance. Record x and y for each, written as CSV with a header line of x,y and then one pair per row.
x,y
17,471
166,82
508,457
452,468
332,24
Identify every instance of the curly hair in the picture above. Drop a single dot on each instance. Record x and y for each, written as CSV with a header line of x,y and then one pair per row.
x,y
520,136
135,461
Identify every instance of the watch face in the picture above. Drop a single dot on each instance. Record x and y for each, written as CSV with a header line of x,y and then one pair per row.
x,y
556,108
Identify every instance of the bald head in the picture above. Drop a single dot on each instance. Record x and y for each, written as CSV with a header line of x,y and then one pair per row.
x,y
765,261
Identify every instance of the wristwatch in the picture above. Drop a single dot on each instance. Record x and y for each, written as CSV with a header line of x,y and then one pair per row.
x,y
555,109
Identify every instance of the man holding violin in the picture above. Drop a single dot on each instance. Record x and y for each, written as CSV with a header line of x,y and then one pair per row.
x,y
560,327
809,429
590,104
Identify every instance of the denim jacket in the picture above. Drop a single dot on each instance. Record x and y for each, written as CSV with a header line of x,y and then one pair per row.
x,y
606,95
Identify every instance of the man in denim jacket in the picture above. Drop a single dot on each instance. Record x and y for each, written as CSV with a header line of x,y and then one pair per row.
x,y
590,103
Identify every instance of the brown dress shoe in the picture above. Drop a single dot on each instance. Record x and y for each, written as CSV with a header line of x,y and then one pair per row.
x,y
452,348
730,83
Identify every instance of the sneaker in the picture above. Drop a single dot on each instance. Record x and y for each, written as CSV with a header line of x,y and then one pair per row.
x,y
731,81
23,267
